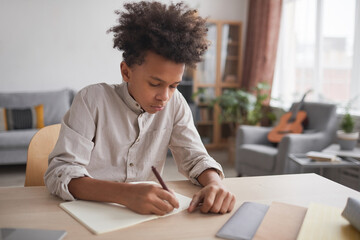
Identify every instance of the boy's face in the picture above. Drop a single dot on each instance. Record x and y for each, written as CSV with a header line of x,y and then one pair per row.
x,y
152,83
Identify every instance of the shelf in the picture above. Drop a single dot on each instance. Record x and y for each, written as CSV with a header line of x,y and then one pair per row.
x,y
215,146
232,58
233,44
203,104
205,85
210,57
222,68
205,123
186,83
229,85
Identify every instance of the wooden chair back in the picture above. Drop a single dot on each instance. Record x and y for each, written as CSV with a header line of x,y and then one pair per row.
x,y
41,145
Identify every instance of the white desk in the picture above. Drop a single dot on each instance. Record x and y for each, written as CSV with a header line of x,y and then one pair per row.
x,y
34,207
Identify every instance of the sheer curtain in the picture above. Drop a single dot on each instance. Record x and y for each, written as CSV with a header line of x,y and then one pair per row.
x,y
318,49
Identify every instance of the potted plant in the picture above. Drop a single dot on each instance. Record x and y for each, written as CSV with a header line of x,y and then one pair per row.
x,y
347,137
234,105
259,114
200,94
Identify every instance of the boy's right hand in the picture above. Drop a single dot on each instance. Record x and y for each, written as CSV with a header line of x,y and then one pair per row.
x,y
150,199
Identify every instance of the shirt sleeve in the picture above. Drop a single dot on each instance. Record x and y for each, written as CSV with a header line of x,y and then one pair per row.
x,y
186,146
72,151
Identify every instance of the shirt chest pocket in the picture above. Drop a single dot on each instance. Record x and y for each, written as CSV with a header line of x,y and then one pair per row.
x,y
155,144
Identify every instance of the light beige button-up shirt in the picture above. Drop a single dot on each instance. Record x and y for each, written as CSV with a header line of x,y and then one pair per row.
x,y
106,135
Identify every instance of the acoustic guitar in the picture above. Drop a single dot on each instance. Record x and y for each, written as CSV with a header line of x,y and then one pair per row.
x,y
290,122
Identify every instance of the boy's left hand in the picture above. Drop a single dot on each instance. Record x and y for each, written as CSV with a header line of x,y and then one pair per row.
x,y
213,198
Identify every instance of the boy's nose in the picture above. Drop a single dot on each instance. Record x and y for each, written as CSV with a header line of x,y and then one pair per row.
x,y
163,95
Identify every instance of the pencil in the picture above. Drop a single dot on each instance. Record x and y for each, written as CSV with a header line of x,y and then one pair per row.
x,y
161,181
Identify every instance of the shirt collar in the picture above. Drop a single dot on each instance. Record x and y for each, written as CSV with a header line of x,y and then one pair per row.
x,y
129,101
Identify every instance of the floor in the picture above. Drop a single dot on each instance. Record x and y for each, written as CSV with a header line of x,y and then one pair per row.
x,y
14,175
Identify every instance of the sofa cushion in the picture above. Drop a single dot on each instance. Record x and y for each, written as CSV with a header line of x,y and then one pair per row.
x,y
16,138
259,156
21,118
11,156
56,103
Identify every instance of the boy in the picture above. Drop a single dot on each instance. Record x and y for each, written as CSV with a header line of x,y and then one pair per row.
x,y
113,134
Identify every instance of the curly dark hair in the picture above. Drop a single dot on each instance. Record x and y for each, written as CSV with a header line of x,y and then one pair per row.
x,y
174,32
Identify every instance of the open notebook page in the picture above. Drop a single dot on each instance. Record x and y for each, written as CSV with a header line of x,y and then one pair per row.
x,y
101,217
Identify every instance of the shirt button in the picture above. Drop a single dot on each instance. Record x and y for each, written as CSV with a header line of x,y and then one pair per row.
x,y
138,140
131,164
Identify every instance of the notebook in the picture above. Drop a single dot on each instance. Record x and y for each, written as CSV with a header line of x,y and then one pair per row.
x,y
101,217
30,234
322,157
244,223
281,222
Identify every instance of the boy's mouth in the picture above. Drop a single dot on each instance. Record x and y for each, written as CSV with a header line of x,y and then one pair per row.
x,y
158,107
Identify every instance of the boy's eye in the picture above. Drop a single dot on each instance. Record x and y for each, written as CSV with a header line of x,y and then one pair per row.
x,y
171,86
154,85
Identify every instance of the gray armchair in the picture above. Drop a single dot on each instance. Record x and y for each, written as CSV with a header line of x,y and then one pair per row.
x,y
255,155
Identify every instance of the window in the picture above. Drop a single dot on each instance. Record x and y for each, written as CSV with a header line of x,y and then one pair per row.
x,y
319,49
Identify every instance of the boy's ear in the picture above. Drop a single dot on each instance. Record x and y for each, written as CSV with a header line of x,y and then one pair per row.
x,y
125,71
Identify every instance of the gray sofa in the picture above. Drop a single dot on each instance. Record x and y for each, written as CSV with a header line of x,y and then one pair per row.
x,y
14,143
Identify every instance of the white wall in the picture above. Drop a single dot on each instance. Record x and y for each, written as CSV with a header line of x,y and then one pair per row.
x,y
48,45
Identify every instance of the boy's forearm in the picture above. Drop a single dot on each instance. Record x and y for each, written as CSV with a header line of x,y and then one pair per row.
x,y
209,176
87,188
